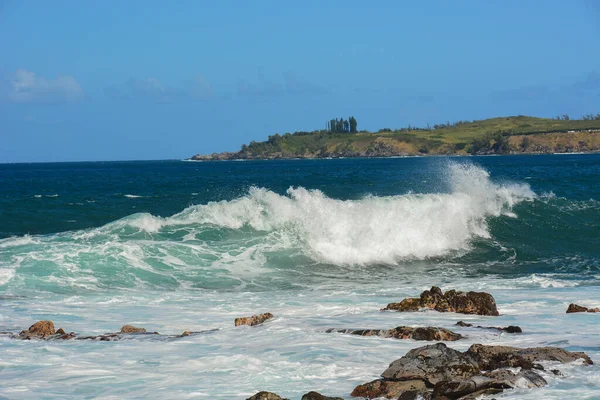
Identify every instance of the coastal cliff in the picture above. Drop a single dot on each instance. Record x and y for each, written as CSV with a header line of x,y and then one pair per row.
x,y
507,135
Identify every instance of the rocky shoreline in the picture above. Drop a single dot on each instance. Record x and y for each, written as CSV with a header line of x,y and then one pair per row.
x,y
576,142
434,372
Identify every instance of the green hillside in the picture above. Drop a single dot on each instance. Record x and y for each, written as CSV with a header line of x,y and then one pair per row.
x,y
494,135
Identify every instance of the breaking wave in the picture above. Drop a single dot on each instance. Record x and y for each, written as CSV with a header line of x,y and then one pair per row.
x,y
241,236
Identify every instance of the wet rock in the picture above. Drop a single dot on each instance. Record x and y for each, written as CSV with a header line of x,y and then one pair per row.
x,y
574,308
39,330
459,375
456,389
415,395
132,329
508,329
318,396
387,388
494,357
253,320
405,332
432,364
265,396
523,379
61,331
479,303
490,383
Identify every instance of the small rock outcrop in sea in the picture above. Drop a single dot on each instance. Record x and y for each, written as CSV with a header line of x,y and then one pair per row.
x,y
479,303
253,320
439,372
507,329
265,396
318,396
132,329
40,329
574,308
404,332
44,330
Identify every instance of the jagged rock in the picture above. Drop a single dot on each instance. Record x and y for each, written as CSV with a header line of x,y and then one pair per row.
x,y
574,308
253,320
387,388
479,303
489,383
494,357
265,396
415,395
507,329
132,329
456,389
318,396
456,375
432,364
405,332
39,330
522,379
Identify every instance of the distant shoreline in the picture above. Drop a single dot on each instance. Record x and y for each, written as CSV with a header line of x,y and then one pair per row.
x,y
596,152
495,136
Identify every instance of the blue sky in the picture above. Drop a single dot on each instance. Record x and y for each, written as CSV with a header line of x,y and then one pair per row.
x,y
119,80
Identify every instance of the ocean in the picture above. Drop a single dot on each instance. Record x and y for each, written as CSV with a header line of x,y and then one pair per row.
x,y
173,246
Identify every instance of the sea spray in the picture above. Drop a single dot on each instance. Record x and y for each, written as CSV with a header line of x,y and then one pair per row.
x,y
221,242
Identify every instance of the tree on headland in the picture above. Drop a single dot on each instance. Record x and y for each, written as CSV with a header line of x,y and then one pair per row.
x,y
342,125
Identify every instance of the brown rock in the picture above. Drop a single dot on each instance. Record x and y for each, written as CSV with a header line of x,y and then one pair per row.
x,y
40,330
415,395
406,305
265,396
432,364
508,329
253,320
493,357
318,396
388,389
405,332
458,375
574,308
489,383
60,331
132,329
479,303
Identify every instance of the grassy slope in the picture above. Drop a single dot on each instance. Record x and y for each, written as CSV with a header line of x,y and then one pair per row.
x,y
452,139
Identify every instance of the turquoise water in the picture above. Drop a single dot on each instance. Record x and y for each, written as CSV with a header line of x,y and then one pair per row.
x,y
176,246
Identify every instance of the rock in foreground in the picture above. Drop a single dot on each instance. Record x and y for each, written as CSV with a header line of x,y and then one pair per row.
x,y
405,332
574,308
265,396
452,374
318,396
479,303
388,389
253,320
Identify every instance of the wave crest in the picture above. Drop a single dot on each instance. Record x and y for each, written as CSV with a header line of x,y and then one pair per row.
x,y
369,230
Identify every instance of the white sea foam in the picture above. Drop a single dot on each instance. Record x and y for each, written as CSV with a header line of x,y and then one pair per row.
x,y
370,230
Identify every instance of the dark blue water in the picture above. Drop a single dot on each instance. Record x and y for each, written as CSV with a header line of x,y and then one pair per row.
x,y
46,198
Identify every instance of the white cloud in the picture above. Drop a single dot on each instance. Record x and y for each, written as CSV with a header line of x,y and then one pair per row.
x,y
28,87
154,90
